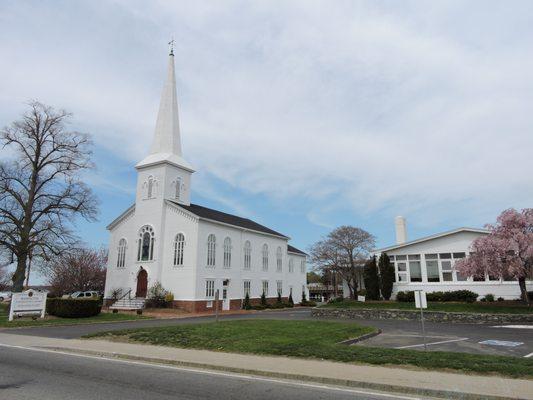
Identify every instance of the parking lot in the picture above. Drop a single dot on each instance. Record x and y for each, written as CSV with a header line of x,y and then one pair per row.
x,y
509,340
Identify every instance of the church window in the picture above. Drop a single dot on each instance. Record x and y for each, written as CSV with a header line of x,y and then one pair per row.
x,y
265,257
265,288
211,246
302,266
178,189
150,187
179,249
247,255
246,288
279,260
145,251
210,288
279,287
227,253
121,259
291,265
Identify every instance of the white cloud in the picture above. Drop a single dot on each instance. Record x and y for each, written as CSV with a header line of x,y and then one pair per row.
x,y
415,109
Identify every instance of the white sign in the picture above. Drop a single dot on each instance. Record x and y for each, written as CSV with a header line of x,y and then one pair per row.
x,y
420,299
29,302
361,298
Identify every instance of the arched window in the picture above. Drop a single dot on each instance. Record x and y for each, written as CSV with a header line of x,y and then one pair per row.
x,y
177,194
247,255
291,265
279,260
211,246
121,256
227,253
145,250
150,187
302,266
179,248
265,257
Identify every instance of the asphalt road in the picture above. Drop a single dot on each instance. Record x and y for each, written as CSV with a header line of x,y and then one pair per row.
x,y
442,337
30,374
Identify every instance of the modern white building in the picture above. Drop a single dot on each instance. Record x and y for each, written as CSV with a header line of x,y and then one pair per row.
x,y
193,251
428,264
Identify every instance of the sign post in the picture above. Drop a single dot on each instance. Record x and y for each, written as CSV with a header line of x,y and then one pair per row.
x,y
29,302
421,302
216,305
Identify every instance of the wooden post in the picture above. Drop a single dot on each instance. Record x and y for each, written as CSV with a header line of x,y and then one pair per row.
x,y
216,305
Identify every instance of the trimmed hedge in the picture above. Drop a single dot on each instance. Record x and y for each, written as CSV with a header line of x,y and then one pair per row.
x,y
455,295
73,308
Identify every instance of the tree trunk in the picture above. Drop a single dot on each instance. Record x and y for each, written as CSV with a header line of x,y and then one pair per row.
x,y
20,273
523,290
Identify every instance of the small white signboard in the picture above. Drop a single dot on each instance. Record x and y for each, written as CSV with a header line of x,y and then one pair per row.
x,y
420,299
361,298
29,302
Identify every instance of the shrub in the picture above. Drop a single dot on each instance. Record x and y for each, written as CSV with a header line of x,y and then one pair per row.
x,y
530,295
386,275
361,292
307,303
263,300
455,295
288,304
291,301
258,307
169,298
489,297
501,299
73,308
246,303
116,293
157,296
279,297
336,300
304,298
371,279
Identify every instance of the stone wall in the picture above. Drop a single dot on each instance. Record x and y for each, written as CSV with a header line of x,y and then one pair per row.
x,y
432,316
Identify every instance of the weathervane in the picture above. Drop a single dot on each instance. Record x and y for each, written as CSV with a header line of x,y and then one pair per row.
x,y
171,44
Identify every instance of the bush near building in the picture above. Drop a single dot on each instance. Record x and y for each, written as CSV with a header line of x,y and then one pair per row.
x,y
73,308
454,295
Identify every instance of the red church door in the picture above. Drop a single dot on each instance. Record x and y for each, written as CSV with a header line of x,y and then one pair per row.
x,y
142,283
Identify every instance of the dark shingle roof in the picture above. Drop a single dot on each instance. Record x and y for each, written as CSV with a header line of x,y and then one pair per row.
x,y
208,213
292,249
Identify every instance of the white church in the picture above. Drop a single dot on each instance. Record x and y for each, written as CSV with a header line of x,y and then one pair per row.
x,y
193,251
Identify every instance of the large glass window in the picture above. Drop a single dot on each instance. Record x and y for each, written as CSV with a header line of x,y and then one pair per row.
x,y
279,287
415,269
210,288
145,250
227,253
211,250
246,288
291,265
302,266
432,268
279,260
247,255
179,249
265,287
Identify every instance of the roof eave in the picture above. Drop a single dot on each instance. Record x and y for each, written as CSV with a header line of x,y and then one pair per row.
x,y
114,223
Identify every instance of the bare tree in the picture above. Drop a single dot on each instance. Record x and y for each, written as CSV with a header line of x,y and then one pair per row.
x,y
5,277
79,269
344,251
41,191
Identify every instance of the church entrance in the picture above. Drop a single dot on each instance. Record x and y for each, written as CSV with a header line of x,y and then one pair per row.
x,y
142,283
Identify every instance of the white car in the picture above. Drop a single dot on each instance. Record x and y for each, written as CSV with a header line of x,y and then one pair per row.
x,y
91,294
4,296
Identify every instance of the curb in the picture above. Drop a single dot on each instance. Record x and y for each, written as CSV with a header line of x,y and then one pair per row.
x,y
443,394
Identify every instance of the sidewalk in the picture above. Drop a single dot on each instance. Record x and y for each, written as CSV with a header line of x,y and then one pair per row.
x,y
437,384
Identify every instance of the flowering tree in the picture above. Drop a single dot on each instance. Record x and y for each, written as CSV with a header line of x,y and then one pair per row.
x,y
506,252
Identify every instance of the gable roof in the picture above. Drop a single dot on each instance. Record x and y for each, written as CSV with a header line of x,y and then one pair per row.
x,y
219,216
292,249
431,237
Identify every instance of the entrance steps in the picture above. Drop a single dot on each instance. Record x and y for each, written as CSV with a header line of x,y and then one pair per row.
x,y
135,304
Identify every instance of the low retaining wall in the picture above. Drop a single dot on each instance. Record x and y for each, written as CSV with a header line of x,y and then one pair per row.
x,y
432,316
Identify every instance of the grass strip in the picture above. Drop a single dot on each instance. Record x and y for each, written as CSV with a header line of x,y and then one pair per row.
x,y
489,308
315,340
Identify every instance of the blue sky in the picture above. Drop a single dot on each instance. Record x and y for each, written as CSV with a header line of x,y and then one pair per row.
x,y
303,115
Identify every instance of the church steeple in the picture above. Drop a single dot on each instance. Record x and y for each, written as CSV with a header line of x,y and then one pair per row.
x,y
166,144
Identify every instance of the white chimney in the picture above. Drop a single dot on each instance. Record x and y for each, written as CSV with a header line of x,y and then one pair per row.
x,y
401,230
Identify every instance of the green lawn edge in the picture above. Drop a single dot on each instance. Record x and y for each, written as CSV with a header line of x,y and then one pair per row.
x,y
315,340
482,308
28,322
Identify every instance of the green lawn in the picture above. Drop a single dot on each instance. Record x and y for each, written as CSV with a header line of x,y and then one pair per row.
x,y
314,339
27,321
478,307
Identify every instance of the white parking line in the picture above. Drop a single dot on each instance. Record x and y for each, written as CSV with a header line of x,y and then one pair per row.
x,y
529,355
514,326
432,343
224,374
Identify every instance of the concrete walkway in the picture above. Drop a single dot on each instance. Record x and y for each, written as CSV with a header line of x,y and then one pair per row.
x,y
438,384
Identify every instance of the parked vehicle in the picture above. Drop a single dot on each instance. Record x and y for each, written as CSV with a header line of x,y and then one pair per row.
x,y
4,296
90,294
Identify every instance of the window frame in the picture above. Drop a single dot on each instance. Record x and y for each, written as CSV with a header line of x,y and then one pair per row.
x,y
179,250
227,253
211,251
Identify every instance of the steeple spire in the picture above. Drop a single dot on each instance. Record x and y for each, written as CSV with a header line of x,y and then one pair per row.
x,y
166,145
